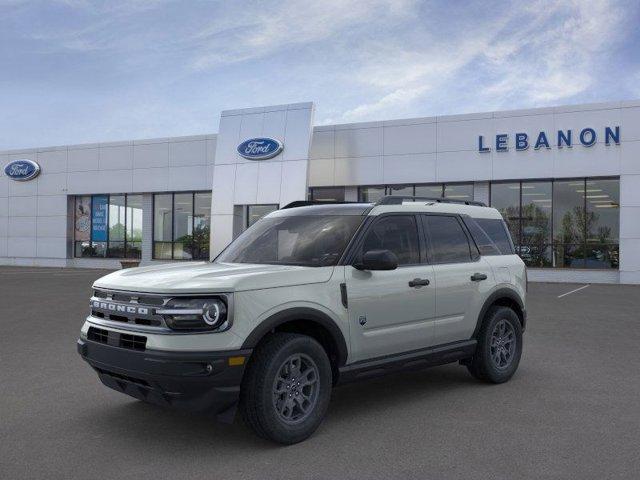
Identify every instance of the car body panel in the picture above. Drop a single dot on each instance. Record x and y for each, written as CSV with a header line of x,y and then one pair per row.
x,y
207,277
386,315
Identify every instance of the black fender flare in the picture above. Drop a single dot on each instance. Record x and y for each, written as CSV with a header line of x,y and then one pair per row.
x,y
495,296
297,314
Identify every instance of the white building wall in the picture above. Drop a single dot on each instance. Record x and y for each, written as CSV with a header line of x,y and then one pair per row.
x,y
238,181
445,149
35,226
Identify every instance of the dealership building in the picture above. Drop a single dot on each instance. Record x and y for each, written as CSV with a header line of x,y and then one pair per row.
x,y
566,179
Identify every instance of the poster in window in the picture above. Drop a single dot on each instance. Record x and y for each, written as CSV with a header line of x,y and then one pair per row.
x,y
83,219
99,218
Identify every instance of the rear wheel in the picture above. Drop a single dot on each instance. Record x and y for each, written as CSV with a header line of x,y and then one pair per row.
x,y
499,347
286,391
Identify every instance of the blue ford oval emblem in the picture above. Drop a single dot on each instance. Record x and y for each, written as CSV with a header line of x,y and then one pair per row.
x,y
260,148
22,170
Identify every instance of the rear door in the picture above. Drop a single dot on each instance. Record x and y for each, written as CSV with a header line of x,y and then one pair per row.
x,y
462,277
391,311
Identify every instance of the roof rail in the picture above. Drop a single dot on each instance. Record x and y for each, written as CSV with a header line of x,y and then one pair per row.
x,y
307,203
400,199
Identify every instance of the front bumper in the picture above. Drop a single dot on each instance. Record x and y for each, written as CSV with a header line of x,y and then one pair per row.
x,y
195,381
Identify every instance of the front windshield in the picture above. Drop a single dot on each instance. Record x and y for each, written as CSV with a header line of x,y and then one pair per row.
x,y
306,240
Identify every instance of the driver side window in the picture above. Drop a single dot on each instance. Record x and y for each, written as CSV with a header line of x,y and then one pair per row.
x,y
396,233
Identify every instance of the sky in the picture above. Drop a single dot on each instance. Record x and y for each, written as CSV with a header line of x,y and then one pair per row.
x,y
77,71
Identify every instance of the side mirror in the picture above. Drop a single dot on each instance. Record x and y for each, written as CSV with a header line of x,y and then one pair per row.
x,y
378,260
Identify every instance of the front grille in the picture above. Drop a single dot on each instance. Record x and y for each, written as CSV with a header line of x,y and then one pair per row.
x,y
134,342
98,335
131,308
122,340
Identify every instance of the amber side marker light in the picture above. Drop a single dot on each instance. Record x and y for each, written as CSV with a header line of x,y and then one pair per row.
x,y
236,361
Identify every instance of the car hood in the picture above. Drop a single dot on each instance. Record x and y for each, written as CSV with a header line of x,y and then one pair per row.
x,y
209,277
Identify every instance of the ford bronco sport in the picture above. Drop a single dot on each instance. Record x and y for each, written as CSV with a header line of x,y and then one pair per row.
x,y
309,297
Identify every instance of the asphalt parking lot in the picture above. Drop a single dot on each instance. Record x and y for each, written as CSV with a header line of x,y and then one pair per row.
x,y
571,411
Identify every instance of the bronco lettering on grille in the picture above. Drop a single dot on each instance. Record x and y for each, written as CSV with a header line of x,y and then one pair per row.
x,y
114,307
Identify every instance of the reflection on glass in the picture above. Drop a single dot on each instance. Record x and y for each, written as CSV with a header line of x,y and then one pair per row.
x,y
569,223
134,226
182,225
162,250
256,212
460,191
370,194
117,230
162,217
506,198
569,256
201,223
430,191
406,190
535,248
327,194
568,212
602,223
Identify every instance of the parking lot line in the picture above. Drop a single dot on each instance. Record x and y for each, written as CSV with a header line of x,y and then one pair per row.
x,y
573,291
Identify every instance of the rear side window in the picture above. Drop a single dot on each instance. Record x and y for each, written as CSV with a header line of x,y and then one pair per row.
x,y
449,242
498,233
484,243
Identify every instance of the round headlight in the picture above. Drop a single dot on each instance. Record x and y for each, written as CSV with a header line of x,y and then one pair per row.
x,y
195,314
214,313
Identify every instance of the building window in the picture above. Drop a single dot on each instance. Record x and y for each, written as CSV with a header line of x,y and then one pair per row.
x,y
454,191
562,223
256,212
327,194
458,191
429,191
371,194
108,226
181,225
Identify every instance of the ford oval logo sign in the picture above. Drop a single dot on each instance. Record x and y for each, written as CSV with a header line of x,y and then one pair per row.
x,y
260,148
22,170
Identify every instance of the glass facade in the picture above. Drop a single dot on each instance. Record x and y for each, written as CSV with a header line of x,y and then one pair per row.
x,y
108,226
457,191
181,225
256,212
562,223
327,194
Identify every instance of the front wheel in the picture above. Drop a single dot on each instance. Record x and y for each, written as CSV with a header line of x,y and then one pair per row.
x,y
286,391
499,346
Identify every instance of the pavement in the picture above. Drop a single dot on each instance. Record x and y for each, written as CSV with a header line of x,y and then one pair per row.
x,y
571,411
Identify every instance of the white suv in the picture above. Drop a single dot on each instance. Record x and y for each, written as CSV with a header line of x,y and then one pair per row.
x,y
308,297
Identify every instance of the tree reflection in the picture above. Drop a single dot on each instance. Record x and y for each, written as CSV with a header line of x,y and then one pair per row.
x,y
536,233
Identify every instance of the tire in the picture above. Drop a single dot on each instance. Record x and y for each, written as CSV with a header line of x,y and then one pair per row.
x,y
496,359
271,402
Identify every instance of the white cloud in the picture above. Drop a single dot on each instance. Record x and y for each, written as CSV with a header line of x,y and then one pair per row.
x,y
555,56
245,33
541,53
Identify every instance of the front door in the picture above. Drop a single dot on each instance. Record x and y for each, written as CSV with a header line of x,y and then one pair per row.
x,y
391,311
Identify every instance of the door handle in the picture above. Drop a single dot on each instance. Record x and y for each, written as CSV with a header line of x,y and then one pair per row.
x,y
478,277
418,282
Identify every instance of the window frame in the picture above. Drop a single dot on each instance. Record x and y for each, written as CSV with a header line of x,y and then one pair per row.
x,y
173,210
